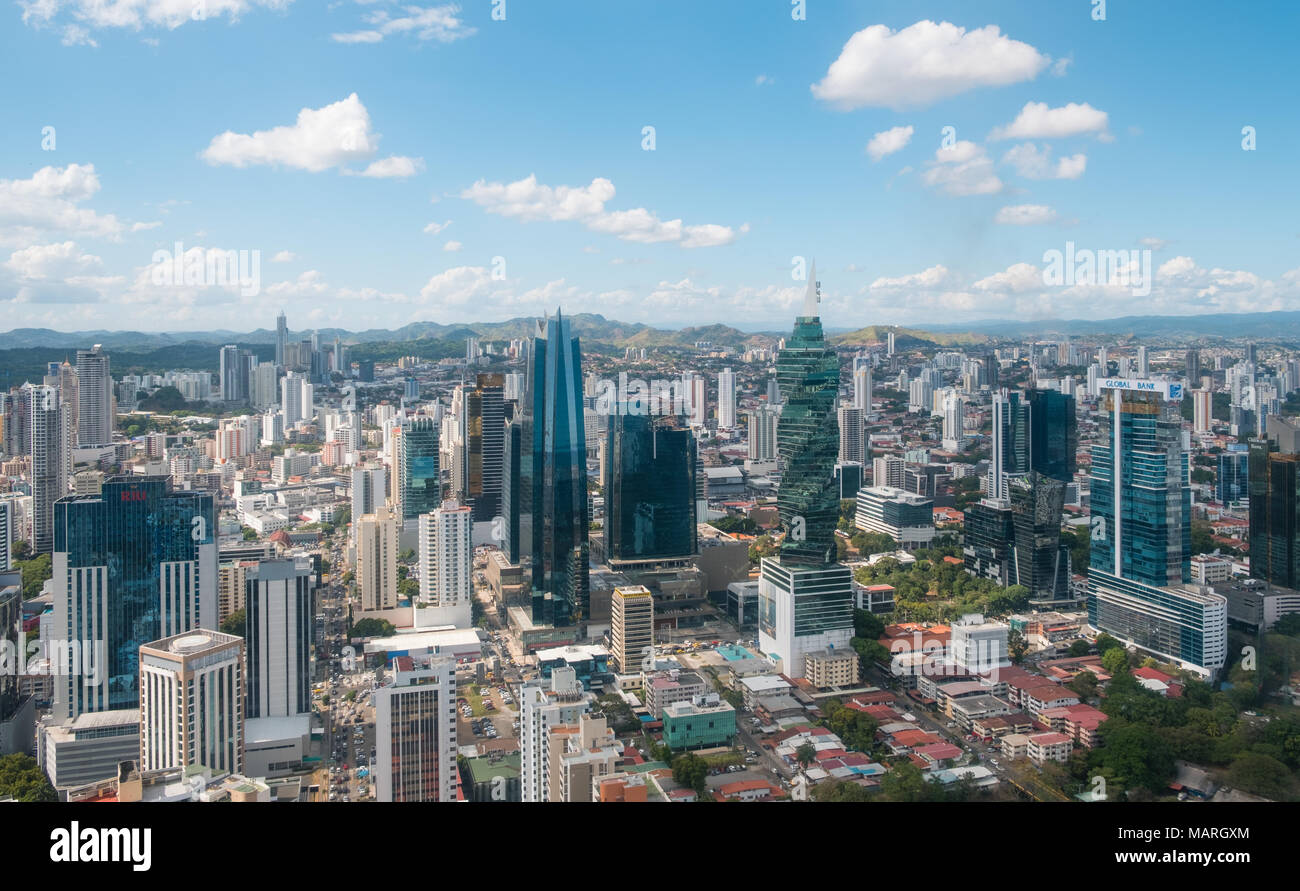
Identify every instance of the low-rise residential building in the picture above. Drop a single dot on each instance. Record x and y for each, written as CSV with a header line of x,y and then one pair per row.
x,y
665,688
1044,747
831,668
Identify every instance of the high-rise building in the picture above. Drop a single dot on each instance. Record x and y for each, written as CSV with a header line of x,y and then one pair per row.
x,y
17,421
1232,483
889,470
1040,561
484,436
51,462
264,392
1202,411
1011,442
415,734
11,616
1274,514
632,620
369,485
377,544
726,398
278,598
1140,497
543,706
650,492
416,475
696,399
94,398
8,533
954,422
862,384
853,445
296,397
1193,368
192,702
1143,363
548,485
133,564
988,540
281,336
762,433
805,599
808,438
447,563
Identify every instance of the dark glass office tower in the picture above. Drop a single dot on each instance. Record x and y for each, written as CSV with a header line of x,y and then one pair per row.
x,y
1140,491
1053,434
988,539
420,480
808,439
134,564
484,446
1274,515
650,487
551,515
1041,563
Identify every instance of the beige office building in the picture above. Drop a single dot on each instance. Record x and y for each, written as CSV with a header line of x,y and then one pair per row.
x,y
377,545
192,702
632,624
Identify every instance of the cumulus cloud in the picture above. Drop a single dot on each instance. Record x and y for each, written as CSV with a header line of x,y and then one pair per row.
x,y
889,141
1031,162
48,202
435,228
527,200
452,247
962,169
929,278
320,139
923,63
1037,121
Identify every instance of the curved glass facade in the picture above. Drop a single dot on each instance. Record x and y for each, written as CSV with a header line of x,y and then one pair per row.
x,y
808,439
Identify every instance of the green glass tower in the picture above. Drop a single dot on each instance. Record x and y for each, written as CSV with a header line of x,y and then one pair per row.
x,y
808,438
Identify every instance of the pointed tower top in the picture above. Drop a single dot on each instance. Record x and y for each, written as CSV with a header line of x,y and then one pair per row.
x,y
813,295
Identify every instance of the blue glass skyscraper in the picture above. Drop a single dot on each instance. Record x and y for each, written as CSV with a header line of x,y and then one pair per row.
x,y
1141,500
547,460
134,564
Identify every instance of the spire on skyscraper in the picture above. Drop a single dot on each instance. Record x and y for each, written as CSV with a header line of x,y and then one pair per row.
x,y
813,295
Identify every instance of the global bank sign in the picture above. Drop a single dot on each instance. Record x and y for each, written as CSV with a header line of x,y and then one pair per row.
x,y
1167,389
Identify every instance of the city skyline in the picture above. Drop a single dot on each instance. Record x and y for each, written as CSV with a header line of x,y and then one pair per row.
x,y
493,195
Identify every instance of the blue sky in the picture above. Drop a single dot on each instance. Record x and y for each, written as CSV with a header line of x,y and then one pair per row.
x,y
507,172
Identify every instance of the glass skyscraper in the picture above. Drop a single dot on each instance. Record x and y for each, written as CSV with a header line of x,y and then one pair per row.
x,y
484,446
133,564
808,440
650,491
1274,515
1140,498
547,459
420,480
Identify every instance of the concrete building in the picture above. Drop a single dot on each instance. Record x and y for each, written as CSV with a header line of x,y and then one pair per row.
x,y
803,609
632,619
907,518
447,565
541,707
377,544
831,668
978,646
88,748
415,734
580,754
278,630
192,702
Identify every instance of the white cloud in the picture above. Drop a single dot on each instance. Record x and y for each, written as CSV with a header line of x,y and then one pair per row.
x,y
320,139
924,63
1152,243
1025,215
763,80
962,169
144,227
133,14
52,261
47,202
284,257
452,247
889,141
1034,163
437,23
528,201
395,167
929,278
1037,121
435,228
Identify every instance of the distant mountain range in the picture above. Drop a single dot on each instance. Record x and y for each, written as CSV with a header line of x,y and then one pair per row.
x,y
1266,326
